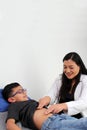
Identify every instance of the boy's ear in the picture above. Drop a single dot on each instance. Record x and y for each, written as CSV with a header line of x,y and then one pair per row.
x,y
11,99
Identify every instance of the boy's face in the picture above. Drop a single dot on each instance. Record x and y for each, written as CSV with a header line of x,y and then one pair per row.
x,y
18,94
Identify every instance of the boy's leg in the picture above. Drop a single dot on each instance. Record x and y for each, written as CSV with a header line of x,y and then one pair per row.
x,y
74,124
64,122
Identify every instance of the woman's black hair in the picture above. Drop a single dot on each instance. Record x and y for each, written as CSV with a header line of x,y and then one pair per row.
x,y
66,83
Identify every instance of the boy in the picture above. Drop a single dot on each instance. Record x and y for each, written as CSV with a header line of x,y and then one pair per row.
x,y
25,110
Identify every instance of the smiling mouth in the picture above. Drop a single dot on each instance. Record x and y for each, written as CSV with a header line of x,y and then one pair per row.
x,y
68,75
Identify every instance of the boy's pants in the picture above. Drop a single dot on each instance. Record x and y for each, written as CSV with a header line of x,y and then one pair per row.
x,y
64,122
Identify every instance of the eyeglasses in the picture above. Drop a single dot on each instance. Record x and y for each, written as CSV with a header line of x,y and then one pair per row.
x,y
19,92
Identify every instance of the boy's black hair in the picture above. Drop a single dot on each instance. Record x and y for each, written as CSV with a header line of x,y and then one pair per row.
x,y
7,91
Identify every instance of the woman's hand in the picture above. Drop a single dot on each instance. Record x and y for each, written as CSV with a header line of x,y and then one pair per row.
x,y
56,108
43,102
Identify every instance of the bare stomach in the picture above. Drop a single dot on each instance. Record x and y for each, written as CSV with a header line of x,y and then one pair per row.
x,y
39,117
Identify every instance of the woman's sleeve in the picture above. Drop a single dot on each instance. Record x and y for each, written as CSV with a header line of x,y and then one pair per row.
x,y
80,103
53,93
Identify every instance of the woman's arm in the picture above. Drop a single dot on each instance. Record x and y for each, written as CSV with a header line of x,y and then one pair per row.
x,y
80,103
44,102
52,96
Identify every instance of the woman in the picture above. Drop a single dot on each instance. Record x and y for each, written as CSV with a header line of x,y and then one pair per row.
x,y
69,92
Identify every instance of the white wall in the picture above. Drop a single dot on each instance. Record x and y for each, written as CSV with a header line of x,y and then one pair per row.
x,y
34,37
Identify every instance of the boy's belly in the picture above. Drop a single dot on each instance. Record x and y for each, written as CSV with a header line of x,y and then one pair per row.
x,y
39,117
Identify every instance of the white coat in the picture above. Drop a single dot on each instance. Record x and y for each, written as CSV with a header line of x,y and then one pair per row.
x,y
79,105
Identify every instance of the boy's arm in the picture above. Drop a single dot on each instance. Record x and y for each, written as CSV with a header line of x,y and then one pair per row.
x,y
10,125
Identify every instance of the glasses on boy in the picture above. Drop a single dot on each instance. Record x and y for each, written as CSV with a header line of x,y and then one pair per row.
x,y
19,92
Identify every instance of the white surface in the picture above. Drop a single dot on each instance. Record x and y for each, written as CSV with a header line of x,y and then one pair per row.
x,y
34,37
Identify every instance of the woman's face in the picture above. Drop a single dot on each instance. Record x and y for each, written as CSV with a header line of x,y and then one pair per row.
x,y
70,68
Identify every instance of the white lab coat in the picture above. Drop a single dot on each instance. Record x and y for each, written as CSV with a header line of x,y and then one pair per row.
x,y
79,105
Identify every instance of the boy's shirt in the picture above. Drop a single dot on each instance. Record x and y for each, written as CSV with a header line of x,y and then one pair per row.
x,y
23,111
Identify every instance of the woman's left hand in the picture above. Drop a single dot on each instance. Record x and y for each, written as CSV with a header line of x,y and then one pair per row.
x,y
56,108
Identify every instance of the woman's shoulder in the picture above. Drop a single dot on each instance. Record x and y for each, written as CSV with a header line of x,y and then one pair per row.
x,y
59,77
83,77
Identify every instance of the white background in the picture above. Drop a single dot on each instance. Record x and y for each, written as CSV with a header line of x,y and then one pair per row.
x,y
35,35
